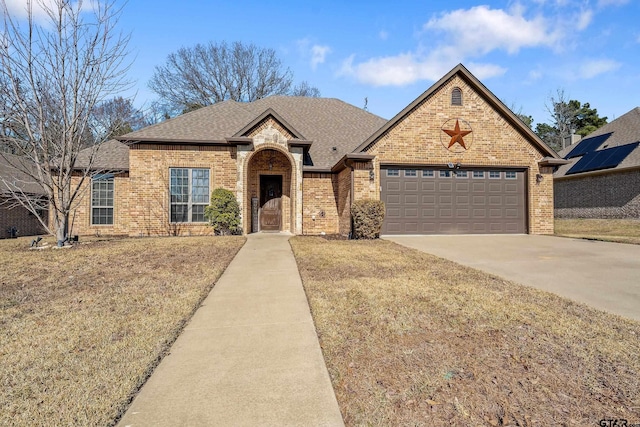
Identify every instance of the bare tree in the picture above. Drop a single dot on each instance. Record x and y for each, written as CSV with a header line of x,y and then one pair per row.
x,y
205,74
57,66
305,89
114,117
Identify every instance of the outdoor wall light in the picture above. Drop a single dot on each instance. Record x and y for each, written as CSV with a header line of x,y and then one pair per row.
x,y
539,178
372,175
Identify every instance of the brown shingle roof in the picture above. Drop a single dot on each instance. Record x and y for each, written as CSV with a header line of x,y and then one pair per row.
x,y
328,122
624,130
111,155
17,170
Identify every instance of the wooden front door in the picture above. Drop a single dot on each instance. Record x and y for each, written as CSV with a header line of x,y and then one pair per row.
x,y
270,202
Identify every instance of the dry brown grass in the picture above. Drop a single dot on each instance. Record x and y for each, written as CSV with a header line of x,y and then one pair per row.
x,y
610,230
82,328
414,340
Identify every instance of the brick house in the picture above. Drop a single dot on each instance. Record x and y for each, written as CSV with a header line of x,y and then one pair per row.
x,y
455,160
16,220
602,178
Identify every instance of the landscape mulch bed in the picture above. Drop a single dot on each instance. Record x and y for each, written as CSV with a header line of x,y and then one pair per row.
x,y
412,339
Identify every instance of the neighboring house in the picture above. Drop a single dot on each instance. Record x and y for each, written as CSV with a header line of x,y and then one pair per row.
x,y
602,179
456,160
16,220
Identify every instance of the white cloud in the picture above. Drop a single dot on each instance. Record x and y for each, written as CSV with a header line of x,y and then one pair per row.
x,y
19,8
318,54
485,30
485,71
593,68
315,53
480,30
397,70
584,19
408,68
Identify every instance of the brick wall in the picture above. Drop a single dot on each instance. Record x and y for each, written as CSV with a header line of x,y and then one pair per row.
x,y
149,184
363,186
320,204
80,219
610,195
418,140
22,219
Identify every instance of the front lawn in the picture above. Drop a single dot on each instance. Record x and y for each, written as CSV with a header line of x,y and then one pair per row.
x,y
412,339
82,328
611,230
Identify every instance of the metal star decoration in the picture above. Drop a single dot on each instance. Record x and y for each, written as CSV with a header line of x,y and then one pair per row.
x,y
457,135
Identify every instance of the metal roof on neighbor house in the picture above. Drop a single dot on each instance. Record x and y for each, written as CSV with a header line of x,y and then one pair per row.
x,y
327,122
623,131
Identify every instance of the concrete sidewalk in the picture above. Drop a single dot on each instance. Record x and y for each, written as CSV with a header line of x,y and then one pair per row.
x,y
250,355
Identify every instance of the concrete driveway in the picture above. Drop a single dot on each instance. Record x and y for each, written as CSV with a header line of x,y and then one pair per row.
x,y
601,274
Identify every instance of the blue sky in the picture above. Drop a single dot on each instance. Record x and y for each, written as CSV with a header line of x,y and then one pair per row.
x,y
392,51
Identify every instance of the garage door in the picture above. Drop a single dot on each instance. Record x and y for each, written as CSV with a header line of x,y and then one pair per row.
x,y
444,201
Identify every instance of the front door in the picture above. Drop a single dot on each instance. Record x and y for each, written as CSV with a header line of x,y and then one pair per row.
x,y
270,202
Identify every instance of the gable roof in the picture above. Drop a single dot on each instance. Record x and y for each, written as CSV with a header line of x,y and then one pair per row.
x,y
623,131
487,95
327,122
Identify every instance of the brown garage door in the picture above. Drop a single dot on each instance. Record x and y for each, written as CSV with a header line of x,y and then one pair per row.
x,y
441,201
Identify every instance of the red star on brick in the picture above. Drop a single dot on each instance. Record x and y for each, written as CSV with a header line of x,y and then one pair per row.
x,y
456,135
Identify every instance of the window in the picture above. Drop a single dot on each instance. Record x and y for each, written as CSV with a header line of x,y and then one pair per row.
x,y
427,174
445,174
478,174
462,174
510,175
102,200
393,172
456,96
410,172
494,175
189,190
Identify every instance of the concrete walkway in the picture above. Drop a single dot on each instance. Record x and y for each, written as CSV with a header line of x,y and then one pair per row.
x,y
250,355
602,274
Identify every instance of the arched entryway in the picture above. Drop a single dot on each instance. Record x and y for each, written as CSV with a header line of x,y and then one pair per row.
x,y
269,192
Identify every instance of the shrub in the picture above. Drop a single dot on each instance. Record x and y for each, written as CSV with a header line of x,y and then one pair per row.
x,y
223,212
367,218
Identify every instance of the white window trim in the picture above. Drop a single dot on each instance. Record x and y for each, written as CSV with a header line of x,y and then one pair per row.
x,y
190,202
113,201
